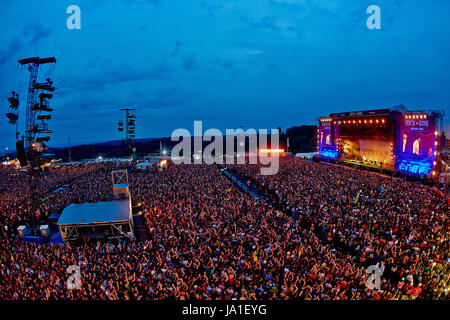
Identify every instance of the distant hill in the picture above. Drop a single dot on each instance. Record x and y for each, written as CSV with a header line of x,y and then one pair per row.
x,y
301,139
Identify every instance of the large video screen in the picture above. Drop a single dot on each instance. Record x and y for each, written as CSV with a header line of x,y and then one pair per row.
x,y
417,137
416,149
325,140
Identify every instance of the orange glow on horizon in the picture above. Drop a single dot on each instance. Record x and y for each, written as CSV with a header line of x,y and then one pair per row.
x,y
271,150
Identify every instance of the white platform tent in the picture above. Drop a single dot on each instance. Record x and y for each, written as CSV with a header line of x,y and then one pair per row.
x,y
307,155
111,219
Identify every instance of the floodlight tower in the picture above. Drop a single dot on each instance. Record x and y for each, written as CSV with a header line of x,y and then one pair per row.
x,y
130,130
37,105
13,114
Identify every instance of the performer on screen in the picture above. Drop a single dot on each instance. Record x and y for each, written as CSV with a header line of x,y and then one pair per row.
x,y
405,138
416,146
328,140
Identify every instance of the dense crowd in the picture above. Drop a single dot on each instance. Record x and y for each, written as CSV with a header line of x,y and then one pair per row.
x,y
401,226
209,240
25,199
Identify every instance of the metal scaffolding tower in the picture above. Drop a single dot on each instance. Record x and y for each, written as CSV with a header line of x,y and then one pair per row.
x,y
439,114
37,108
128,141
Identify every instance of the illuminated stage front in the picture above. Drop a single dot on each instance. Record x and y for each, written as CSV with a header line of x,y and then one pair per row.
x,y
367,141
369,152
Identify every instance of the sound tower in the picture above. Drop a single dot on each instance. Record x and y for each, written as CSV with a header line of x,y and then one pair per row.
x,y
21,153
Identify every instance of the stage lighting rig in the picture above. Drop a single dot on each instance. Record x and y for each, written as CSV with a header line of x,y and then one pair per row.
x,y
13,114
129,126
36,108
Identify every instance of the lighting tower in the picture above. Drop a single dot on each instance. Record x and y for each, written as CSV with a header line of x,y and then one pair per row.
x,y
130,130
439,114
37,109
13,114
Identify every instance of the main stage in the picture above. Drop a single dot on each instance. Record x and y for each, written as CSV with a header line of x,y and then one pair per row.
x,y
392,139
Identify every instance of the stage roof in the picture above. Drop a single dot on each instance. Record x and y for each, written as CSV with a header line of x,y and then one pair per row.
x,y
97,212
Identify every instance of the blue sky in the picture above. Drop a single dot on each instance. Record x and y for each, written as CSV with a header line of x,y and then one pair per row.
x,y
256,63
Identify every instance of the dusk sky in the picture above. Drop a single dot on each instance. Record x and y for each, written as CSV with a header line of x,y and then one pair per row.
x,y
256,63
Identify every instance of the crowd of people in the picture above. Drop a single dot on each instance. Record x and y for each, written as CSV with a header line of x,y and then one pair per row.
x,y
27,198
401,226
209,240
